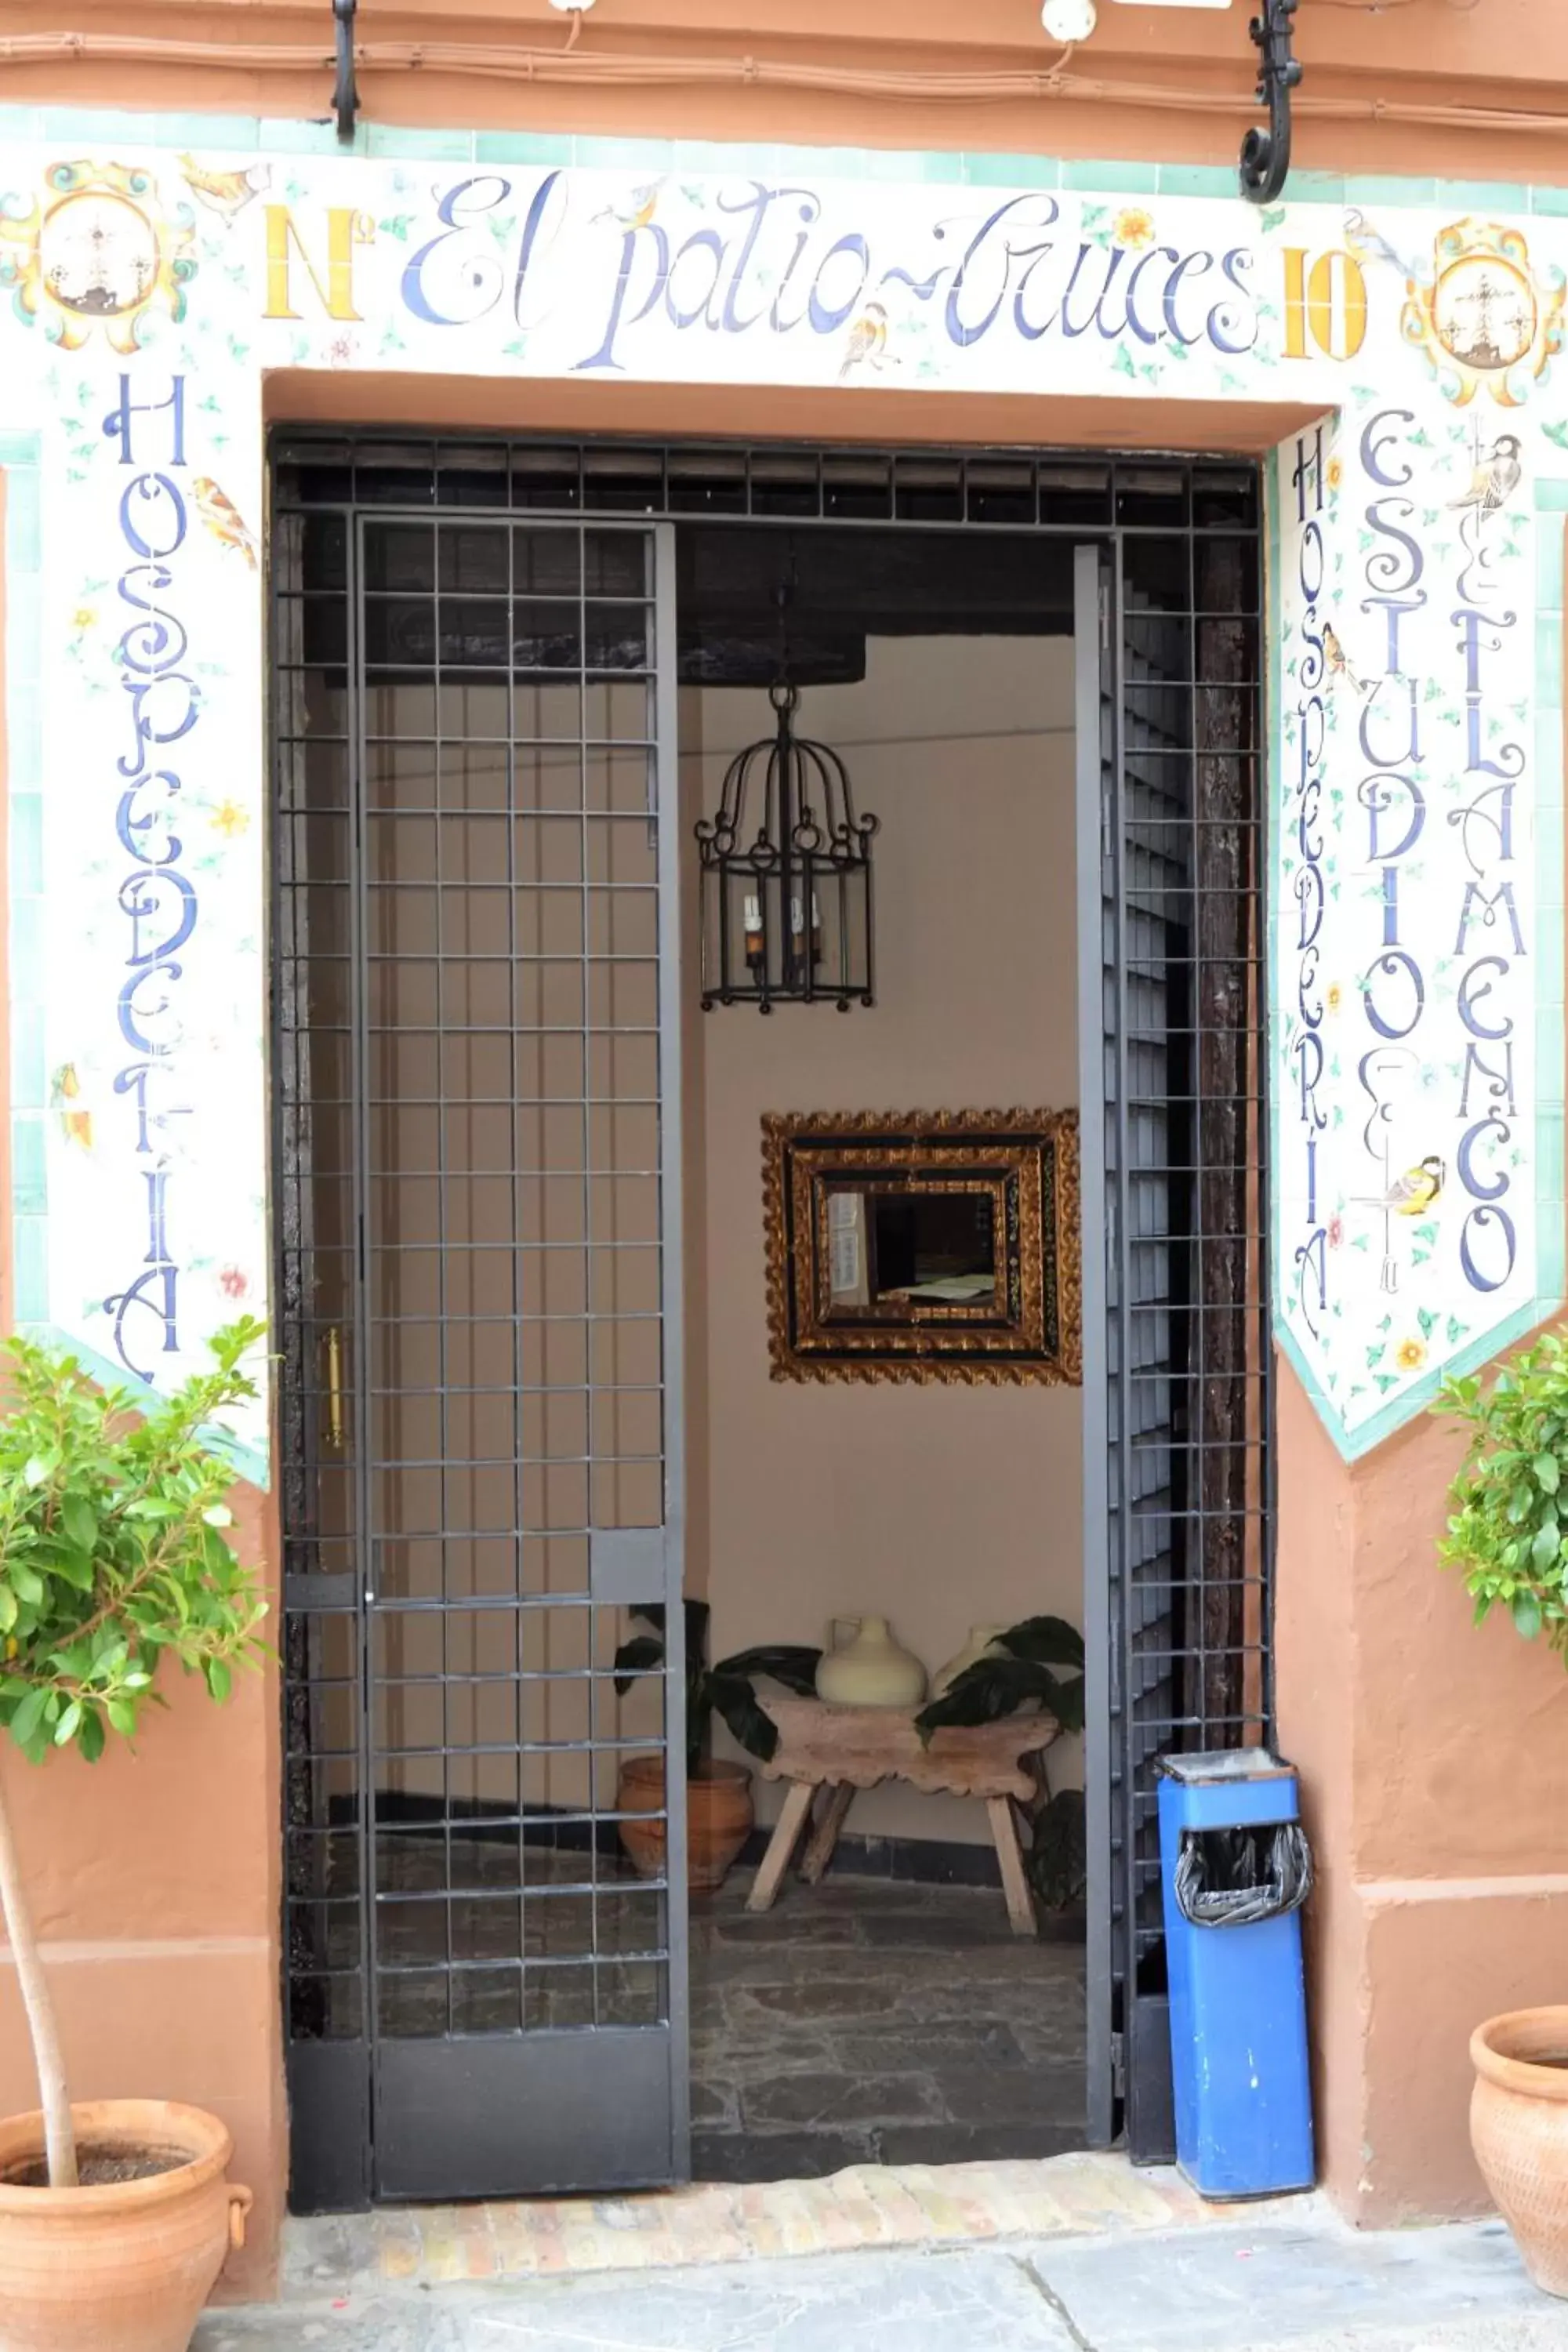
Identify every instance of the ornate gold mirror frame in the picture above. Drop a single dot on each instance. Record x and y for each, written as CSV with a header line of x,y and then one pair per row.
x,y
923,1245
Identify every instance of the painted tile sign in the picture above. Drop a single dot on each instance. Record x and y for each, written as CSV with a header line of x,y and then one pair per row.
x,y
144,294
1413,903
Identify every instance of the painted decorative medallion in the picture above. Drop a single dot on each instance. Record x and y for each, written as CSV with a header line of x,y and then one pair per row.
x,y
93,251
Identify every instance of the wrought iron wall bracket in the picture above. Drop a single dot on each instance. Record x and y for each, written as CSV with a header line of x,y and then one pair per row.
x,y
1266,154
345,93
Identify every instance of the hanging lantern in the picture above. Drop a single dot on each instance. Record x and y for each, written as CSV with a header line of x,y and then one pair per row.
x,y
786,911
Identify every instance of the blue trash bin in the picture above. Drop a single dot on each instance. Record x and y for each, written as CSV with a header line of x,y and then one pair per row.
x,y
1232,1934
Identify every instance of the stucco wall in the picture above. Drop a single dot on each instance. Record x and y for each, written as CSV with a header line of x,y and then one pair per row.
x,y
1434,1758
155,1884
937,1506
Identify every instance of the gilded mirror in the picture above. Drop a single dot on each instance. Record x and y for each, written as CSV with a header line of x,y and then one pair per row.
x,y
922,1245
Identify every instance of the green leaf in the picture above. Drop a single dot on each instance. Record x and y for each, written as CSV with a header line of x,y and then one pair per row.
x,y
1050,1641
220,1682
640,1656
737,1703
66,1729
998,1686
1546,1473
91,1741
35,1471
28,1583
1544,1550
1527,1614
28,1717
79,1521
789,1663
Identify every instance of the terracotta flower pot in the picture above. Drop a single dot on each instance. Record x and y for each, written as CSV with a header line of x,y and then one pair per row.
x,y
719,1817
125,2267
1519,2130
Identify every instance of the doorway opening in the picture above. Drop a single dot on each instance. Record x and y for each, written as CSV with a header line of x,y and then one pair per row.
x,y
523,1301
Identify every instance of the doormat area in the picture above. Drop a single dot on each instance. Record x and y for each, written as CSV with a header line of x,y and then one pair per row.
x,y
866,2206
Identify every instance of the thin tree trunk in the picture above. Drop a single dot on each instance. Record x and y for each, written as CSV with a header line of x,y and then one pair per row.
x,y
59,2134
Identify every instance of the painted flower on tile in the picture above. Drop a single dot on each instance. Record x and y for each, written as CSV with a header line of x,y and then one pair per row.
x,y
1410,1355
1336,996
1336,472
230,819
1336,1232
85,617
1134,226
234,1282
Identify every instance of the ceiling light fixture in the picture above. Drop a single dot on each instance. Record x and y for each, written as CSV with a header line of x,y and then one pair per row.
x,y
1068,21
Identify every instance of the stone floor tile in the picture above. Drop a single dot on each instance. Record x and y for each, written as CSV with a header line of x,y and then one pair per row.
x,y
822,1932
964,2144
801,2156
1013,2094
899,2046
823,2307
838,2102
832,1996
1212,2289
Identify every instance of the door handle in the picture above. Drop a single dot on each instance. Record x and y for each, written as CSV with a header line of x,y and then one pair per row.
x,y
335,1389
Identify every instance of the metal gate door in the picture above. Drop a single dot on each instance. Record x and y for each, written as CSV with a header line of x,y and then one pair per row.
x,y
1177,1397
477,1031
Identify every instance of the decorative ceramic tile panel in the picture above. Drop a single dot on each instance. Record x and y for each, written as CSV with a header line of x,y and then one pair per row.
x,y
143,295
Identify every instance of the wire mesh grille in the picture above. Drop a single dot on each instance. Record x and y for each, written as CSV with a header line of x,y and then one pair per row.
x,y
468,1054
1189,1406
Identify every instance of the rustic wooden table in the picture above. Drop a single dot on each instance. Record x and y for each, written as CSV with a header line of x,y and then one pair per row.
x,y
843,1749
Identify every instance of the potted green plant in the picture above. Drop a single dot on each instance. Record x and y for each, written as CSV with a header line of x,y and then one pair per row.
x,y
1507,1536
719,1814
115,2215
1024,1666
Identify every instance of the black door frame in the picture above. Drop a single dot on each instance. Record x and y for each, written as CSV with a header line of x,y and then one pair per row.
x,y
1096,505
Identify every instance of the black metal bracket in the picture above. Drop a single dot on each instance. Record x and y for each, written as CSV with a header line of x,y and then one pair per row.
x,y
345,95
1266,154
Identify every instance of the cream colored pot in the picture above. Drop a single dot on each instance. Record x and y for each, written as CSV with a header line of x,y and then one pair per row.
x,y
982,1639
863,1665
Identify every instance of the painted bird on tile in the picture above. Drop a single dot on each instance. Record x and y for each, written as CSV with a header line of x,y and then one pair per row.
x,y
1338,659
222,517
634,211
1496,478
224,193
1412,1194
868,341
64,1096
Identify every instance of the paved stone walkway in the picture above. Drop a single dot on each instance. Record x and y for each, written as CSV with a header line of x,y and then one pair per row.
x,y
868,2021
1074,2254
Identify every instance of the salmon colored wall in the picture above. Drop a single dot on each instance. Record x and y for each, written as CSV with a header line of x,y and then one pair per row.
x,y
155,1882
840,1499
1426,86
1434,1758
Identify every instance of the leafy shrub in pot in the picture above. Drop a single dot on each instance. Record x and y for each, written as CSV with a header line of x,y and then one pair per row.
x,y
718,1815
115,1559
1507,1536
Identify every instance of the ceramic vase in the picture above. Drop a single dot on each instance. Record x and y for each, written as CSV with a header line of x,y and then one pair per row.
x,y
863,1665
982,1638
123,2266
1519,2130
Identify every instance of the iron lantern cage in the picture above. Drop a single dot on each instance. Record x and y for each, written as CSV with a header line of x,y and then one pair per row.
x,y
785,911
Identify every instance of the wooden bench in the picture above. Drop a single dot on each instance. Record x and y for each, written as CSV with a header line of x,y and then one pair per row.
x,y
841,1749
